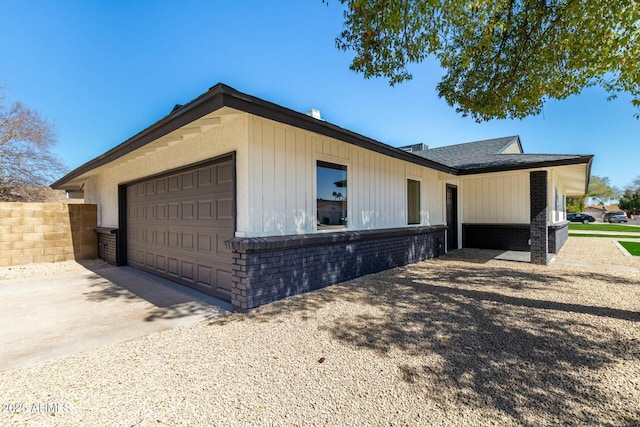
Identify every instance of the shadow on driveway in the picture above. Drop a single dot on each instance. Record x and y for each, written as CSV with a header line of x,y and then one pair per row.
x,y
53,316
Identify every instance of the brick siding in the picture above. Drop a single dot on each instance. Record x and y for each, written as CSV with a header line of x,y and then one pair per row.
x,y
268,269
511,237
107,244
539,217
558,235
508,237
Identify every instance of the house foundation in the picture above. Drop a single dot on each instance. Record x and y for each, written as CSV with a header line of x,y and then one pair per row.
x,y
268,269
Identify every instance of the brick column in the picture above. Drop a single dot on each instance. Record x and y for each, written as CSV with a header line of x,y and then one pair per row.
x,y
539,214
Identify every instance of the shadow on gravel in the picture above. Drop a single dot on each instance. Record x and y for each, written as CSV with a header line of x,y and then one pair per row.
x,y
509,352
519,355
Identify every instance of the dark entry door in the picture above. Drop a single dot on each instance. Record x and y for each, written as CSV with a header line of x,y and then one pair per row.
x,y
452,217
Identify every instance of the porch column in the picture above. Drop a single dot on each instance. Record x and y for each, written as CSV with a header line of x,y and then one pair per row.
x,y
539,214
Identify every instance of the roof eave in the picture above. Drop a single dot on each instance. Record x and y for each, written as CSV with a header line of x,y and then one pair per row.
x,y
222,95
588,177
534,165
199,107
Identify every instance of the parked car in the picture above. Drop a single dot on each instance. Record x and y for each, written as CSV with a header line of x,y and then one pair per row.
x,y
580,217
612,217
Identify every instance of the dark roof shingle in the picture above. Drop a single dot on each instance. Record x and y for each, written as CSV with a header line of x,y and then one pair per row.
x,y
479,156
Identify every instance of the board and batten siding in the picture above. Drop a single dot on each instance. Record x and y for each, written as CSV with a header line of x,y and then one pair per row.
x,y
500,199
282,183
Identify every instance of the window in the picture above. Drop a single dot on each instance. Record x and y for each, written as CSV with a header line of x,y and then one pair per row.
x,y
331,196
413,202
557,205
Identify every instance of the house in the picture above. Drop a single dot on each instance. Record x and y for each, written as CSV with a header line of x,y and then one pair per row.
x,y
595,211
252,202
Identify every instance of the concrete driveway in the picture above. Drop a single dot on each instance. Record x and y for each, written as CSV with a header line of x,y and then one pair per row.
x,y
48,317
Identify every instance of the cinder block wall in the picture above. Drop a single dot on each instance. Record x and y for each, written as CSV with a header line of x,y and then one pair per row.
x,y
46,232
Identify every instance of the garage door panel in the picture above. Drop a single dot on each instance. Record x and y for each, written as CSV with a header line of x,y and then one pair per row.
x,y
223,280
187,180
149,259
161,238
205,210
149,237
174,183
173,211
161,263
224,174
187,240
174,239
204,243
177,226
161,212
204,275
186,271
172,267
224,209
161,186
205,177
188,209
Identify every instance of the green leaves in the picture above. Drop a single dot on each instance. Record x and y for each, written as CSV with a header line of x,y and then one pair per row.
x,y
502,58
600,189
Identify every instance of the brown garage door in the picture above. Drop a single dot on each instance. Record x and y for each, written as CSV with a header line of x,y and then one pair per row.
x,y
177,225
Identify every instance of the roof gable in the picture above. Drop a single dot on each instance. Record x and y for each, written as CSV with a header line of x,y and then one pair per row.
x,y
461,154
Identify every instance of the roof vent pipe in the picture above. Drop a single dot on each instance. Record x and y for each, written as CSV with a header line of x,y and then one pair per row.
x,y
314,113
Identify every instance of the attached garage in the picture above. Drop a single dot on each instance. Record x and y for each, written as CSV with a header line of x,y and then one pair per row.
x,y
177,223
229,193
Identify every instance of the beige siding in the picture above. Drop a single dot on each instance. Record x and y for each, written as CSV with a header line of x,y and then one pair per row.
x,y
501,198
282,186
102,187
512,149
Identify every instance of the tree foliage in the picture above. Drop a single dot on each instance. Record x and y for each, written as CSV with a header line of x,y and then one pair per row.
x,y
630,201
575,204
501,58
26,140
601,190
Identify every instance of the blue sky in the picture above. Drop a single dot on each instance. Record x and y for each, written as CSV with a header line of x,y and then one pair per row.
x,y
103,71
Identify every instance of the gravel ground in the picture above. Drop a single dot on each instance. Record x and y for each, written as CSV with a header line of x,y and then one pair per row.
x,y
446,342
596,251
50,268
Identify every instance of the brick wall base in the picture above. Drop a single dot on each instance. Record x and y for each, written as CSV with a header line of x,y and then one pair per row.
x,y
558,235
511,237
267,269
508,237
107,244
